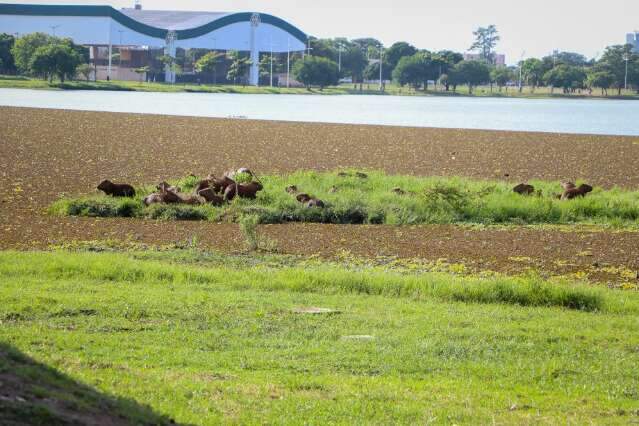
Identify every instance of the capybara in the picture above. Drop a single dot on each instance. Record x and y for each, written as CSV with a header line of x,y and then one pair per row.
x,y
524,189
303,198
291,189
164,186
154,198
116,189
203,184
211,197
399,191
248,190
314,202
568,185
580,191
333,190
220,185
361,175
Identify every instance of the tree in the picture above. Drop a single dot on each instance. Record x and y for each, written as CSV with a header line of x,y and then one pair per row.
x,y
7,64
84,70
141,71
397,51
532,72
567,77
501,76
353,62
208,64
412,70
371,72
614,61
239,67
55,59
486,39
316,71
24,48
472,73
600,79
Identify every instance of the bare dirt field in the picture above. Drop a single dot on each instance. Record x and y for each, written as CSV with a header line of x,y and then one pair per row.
x,y
45,153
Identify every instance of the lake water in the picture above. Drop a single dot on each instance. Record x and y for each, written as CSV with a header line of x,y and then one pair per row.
x,y
612,117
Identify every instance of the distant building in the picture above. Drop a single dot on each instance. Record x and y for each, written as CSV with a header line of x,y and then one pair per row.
x,y
500,60
633,38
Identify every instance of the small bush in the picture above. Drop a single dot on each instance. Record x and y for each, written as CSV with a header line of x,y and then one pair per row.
x,y
175,212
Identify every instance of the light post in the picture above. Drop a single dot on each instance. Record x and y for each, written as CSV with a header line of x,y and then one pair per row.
x,y
521,68
288,63
271,82
215,63
120,51
340,48
626,58
381,65
53,28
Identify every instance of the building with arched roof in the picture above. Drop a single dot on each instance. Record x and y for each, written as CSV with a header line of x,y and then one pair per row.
x,y
105,26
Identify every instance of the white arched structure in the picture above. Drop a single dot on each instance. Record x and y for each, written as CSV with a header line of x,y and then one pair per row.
x,y
104,25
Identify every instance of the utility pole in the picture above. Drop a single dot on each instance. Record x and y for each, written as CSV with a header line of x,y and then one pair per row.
x,y
381,64
288,62
626,58
339,58
271,63
521,68
53,28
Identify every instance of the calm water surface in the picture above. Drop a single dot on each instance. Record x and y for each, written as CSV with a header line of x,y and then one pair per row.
x,y
612,117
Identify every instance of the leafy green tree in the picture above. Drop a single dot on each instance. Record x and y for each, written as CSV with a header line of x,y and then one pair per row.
x,y
239,67
614,61
371,72
601,79
141,71
412,70
397,51
473,73
533,72
354,62
501,76
24,48
7,64
84,70
207,63
486,39
567,77
55,59
316,71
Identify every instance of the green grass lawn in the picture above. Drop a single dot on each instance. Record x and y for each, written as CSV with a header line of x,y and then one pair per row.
x,y
428,200
209,339
342,89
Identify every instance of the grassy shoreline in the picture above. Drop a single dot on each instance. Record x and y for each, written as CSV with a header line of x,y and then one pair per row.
x,y
219,343
344,89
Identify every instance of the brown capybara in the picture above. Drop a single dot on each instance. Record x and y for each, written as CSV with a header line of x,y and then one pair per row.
x,y
399,191
568,185
164,186
248,190
343,174
314,202
291,189
154,198
580,191
361,175
303,198
524,189
211,197
333,190
203,184
220,185
116,189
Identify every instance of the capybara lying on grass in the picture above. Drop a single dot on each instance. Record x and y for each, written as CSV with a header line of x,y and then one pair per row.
x,y
116,189
211,197
303,198
573,192
243,190
291,189
524,189
314,202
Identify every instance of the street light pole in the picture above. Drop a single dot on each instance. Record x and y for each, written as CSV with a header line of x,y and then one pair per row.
x,y
626,58
381,64
521,68
288,63
271,63
53,28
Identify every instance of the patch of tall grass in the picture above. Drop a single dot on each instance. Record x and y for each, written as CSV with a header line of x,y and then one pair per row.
x,y
356,200
326,279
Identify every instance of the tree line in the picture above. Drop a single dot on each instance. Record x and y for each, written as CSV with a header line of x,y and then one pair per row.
x,y
327,61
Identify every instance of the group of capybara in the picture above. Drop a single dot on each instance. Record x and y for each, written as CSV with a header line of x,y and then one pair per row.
x,y
212,190
217,191
570,190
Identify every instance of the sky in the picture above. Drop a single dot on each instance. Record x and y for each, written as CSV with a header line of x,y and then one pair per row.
x,y
536,28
